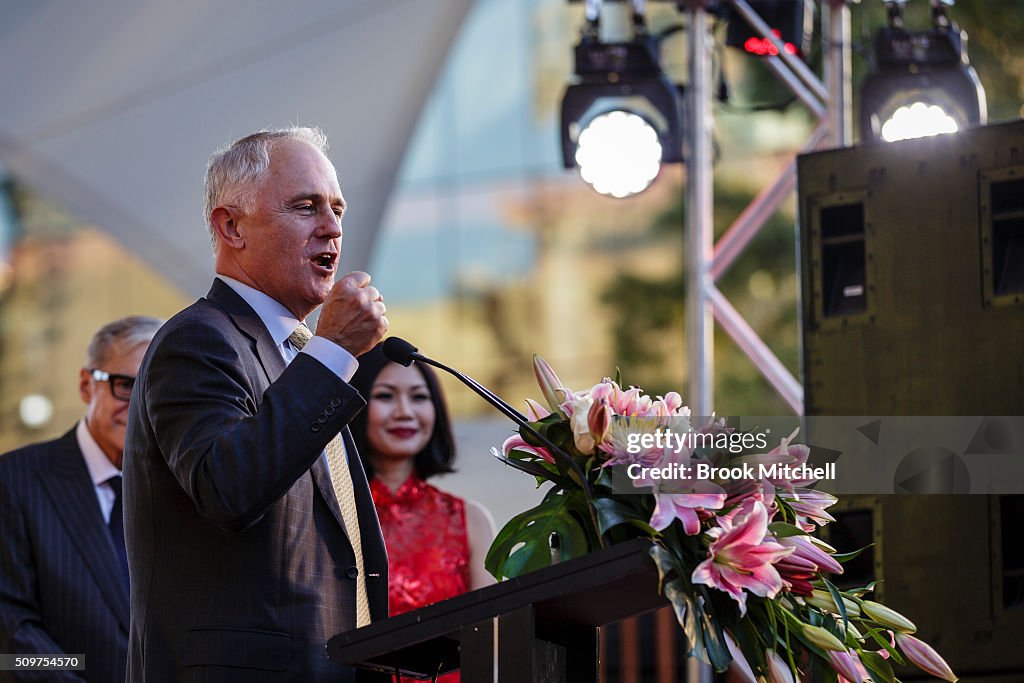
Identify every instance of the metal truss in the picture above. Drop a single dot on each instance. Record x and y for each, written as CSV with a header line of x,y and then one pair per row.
x,y
708,261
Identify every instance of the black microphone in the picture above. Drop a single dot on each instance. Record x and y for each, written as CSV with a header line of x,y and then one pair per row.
x,y
399,351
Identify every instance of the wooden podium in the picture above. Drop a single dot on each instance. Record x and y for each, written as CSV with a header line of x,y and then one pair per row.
x,y
539,627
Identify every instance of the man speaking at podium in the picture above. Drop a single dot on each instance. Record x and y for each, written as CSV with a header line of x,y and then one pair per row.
x,y
252,538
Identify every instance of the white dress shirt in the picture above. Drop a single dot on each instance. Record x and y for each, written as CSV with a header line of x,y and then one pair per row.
x,y
100,468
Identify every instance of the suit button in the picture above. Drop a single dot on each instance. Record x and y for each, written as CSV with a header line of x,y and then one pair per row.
x,y
314,427
329,410
335,402
321,418
352,572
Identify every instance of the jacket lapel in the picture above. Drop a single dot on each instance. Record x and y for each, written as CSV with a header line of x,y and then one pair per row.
x,y
250,325
70,487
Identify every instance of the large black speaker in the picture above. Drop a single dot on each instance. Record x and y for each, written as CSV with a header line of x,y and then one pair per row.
x,y
912,258
912,285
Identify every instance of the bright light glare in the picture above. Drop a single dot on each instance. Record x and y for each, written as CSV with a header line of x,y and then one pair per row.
x,y
35,410
919,120
619,154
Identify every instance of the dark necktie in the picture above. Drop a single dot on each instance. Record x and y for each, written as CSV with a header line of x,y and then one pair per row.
x,y
116,526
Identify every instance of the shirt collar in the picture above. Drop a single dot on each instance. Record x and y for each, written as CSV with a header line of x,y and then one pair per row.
x,y
278,320
99,465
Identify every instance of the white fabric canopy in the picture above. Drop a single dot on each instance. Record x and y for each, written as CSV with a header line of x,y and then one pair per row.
x,y
111,107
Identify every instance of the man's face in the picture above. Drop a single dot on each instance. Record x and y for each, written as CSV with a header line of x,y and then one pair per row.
x,y
292,238
107,416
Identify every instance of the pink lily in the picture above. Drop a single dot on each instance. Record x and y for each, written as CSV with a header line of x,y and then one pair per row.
x,y
797,574
621,445
924,657
810,504
673,402
578,410
740,559
806,548
684,506
517,443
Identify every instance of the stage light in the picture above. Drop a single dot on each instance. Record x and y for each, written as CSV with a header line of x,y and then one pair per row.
x,y
621,115
917,121
922,85
619,154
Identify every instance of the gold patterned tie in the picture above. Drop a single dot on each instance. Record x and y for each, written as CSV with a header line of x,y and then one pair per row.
x,y
341,480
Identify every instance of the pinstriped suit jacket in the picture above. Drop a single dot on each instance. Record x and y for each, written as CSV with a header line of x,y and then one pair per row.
x,y
60,584
241,567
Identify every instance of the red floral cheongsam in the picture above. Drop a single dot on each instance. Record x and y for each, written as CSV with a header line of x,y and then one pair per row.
x,y
428,548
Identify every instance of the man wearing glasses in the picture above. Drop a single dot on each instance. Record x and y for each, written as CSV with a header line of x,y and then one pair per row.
x,y
63,568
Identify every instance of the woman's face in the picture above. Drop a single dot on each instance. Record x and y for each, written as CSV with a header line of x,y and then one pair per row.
x,y
400,416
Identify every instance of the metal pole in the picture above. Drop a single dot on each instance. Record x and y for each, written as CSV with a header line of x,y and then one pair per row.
x,y
699,238
838,71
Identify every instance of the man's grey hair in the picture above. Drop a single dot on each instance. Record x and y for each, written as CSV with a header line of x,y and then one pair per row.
x,y
234,172
120,335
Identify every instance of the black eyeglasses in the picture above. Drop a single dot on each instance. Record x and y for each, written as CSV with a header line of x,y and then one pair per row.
x,y
120,385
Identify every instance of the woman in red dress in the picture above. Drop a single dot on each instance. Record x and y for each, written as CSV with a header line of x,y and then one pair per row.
x,y
436,541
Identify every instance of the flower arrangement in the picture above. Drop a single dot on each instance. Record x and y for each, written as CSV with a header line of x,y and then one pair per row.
x,y
737,560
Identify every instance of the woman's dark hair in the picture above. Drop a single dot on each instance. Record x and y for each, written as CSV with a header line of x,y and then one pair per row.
x,y
438,455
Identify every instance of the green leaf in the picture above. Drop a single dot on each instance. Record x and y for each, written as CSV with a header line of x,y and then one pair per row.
x,y
714,637
529,466
840,605
645,527
878,634
846,557
683,605
667,563
785,529
864,590
522,544
878,667
612,512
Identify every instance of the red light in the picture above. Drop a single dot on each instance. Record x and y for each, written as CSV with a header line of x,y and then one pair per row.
x,y
762,46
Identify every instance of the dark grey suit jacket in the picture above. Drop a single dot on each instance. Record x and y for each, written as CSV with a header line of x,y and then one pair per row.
x,y
241,567
61,588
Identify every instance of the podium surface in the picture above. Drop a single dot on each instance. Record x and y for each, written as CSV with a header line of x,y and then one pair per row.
x,y
541,626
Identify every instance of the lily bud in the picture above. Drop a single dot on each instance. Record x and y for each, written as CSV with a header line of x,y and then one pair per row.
x,y
851,630
924,657
823,600
599,420
535,411
888,617
844,665
822,638
740,665
548,382
778,670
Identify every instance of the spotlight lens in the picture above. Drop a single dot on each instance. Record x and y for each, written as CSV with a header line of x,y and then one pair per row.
x,y
619,154
917,121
